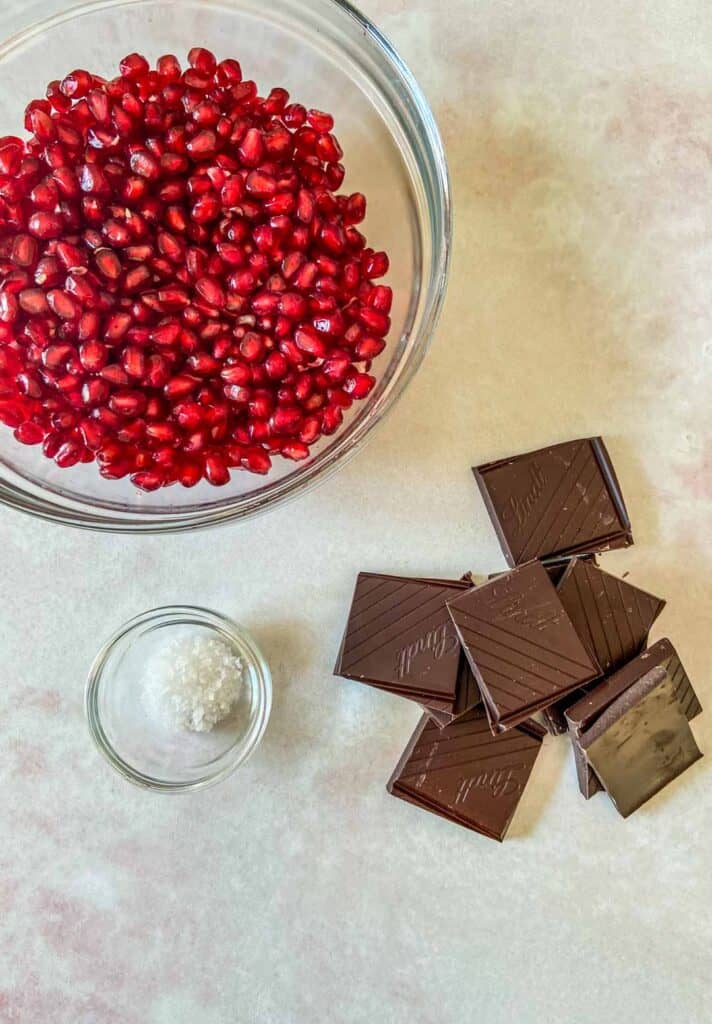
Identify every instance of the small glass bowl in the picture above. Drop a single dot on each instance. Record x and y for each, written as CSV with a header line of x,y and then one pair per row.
x,y
141,749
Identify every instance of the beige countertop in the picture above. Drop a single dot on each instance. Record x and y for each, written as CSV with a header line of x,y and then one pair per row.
x,y
579,136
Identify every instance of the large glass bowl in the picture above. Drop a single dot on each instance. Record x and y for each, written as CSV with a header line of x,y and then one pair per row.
x,y
329,56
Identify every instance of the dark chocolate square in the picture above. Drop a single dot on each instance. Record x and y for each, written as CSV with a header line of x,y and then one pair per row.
x,y
555,501
641,742
399,637
520,643
612,617
465,774
584,712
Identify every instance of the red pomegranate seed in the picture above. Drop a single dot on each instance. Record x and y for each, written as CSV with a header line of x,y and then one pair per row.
x,y
128,403
381,298
45,225
216,472
62,303
134,66
209,289
262,185
76,84
29,433
203,144
375,264
320,121
93,356
149,479
116,326
309,341
93,434
180,386
257,461
206,209
374,321
295,450
108,264
68,454
251,148
133,360
145,165
115,374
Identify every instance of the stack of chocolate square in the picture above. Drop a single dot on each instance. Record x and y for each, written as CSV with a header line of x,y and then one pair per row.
x,y
556,638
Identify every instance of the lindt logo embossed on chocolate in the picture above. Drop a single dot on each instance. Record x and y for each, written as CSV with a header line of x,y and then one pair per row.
x,y
499,781
520,507
436,643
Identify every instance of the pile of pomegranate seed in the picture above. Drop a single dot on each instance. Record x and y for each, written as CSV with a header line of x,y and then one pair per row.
x,y
182,290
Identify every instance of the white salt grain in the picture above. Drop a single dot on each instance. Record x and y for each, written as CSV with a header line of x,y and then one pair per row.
x,y
192,683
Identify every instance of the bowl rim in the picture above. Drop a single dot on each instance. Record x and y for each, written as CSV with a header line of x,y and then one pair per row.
x,y
75,511
239,635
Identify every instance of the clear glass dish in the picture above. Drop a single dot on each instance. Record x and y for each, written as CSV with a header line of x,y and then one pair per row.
x,y
142,749
327,54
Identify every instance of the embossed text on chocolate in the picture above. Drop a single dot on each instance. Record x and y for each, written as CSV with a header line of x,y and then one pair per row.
x,y
522,506
499,781
436,643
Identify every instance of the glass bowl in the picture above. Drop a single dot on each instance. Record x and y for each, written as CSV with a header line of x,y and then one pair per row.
x,y
328,55
141,748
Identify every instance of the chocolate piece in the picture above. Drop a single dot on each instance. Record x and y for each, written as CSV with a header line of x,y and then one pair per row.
x,y
465,774
583,713
641,742
467,696
399,637
556,501
556,567
520,643
612,617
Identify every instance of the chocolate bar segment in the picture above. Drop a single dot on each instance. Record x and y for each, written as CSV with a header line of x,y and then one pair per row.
x,y
583,713
399,637
520,643
612,617
467,696
555,501
465,774
641,742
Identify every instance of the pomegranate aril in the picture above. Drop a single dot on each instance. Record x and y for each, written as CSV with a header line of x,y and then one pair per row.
x,y
149,479
309,341
206,209
133,360
116,326
63,304
128,403
33,301
29,433
295,450
373,320
134,66
108,264
369,347
180,386
256,460
115,374
251,148
375,264
46,225
216,472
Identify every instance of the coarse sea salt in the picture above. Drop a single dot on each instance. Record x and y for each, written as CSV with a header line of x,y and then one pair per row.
x,y
192,683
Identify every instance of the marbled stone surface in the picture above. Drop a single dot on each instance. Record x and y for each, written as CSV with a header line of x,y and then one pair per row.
x,y
580,142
